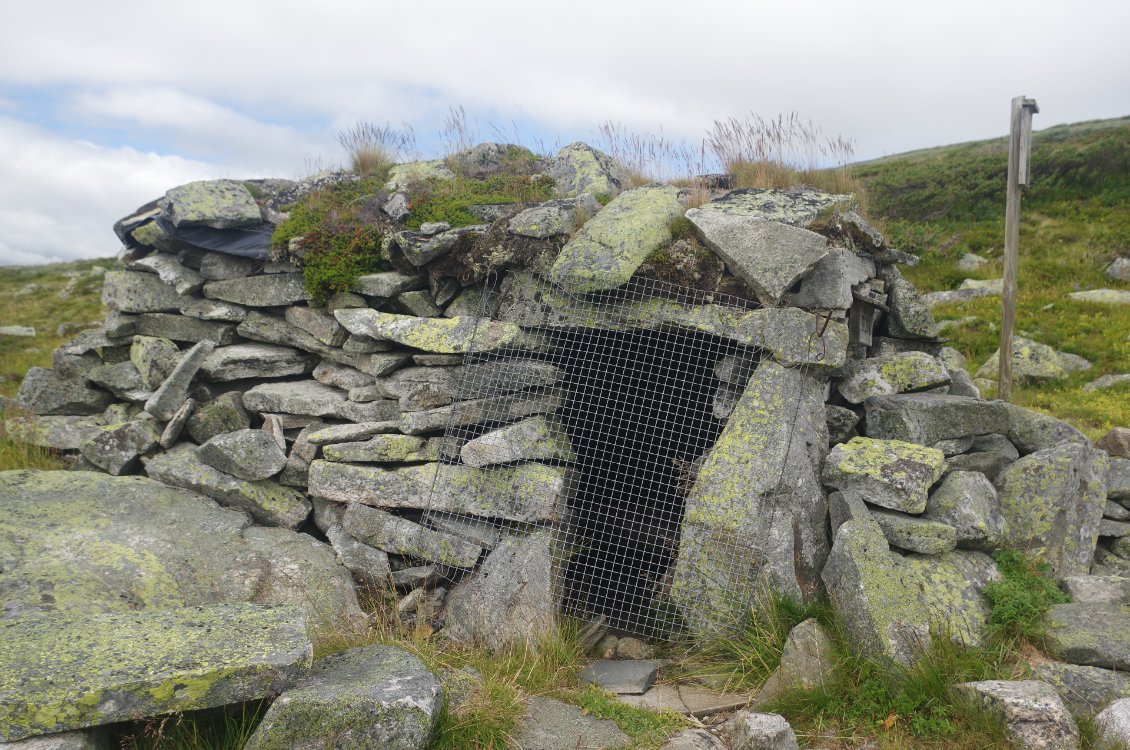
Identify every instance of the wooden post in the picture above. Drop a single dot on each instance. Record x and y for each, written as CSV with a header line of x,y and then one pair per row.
x,y
1019,148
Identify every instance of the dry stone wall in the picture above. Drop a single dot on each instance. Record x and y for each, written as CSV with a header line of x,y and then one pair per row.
x,y
854,456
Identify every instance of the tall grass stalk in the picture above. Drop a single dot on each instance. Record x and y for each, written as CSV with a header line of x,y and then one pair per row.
x,y
648,158
374,149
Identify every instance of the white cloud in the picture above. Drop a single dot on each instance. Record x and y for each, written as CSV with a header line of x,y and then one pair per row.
x,y
60,198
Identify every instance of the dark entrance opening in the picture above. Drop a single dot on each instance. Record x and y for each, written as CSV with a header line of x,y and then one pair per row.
x,y
640,412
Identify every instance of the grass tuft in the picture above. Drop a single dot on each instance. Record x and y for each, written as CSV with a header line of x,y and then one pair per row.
x,y
373,149
1021,598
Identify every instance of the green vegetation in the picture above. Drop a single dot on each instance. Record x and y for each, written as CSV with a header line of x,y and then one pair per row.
x,y
374,149
945,202
449,200
340,230
227,728
1021,598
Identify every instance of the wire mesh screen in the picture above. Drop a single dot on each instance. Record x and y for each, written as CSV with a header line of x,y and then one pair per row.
x,y
614,406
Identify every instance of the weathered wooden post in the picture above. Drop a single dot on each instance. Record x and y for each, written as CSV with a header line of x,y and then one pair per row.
x,y
1019,149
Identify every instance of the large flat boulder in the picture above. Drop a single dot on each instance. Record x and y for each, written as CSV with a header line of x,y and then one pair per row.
x,y
1033,713
220,204
456,335
68,671
371,696
612,245
579,168
1094,635
756,514
927,418
891,473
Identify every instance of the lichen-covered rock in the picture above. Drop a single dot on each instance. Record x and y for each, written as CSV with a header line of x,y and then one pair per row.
x,y
45,393
1085,690
967,501
267,290
404,176
874,593
304,572
808,660
220,204
61,433
510,600
1103,296
260,361
154,358
367,564
612,245
1113,722
225,413
748,730
926,418
138,292
1116,442
220,266
119,450
915,534
87,542
246,454
346,433
314,399
1031,431
184,280
183,328
63,672
889,473
89,739
540,438
267,502
401,536
910,315
769,256
1031,710
438,335
1031,361
1052,502
950,590
841,423
896,373
381,449
527,493
173,392
579,168
385,284
553,218
371,696
828,283
483,410
756,514
1092,589
1118,479
1095,635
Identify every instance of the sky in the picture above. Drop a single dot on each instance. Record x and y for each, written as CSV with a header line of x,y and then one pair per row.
x,y
106,105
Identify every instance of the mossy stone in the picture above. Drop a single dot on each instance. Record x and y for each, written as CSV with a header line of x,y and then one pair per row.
x,y
456,335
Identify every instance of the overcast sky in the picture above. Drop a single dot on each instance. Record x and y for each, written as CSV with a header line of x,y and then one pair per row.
x,y
105,105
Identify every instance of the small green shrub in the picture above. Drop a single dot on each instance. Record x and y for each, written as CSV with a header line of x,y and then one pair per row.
x,y
448,200
1021,598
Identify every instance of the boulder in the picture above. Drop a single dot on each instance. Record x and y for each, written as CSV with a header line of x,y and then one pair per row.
x,y
1091,589
1095,635
61,433
259,361
138,292
967,501
553,218
896,373
527,493
748,730
318,323
612,245
371,696
1032,361
1031,431
385,284
1102,296
950,594
397,449
183,328
267,502
841,423
1116,442
874,593
579,168
915,534
68,671
403,176
220,204
889,473
345,433
1113,723
172,432
121,379
45,393
693,739
119,450
154,358
769,256
438,335
303,572
807,660
209,309
221,266
1052,502
756,514
246,454
622,676
926,418
483,411
367,564
1031,710
267,290
510,601
91,739
1118,479
540,438
1085,690
828,283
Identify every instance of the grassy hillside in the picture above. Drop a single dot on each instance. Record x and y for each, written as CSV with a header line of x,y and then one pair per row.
x,y
941,203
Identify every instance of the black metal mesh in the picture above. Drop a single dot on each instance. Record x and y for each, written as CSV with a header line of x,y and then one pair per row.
x,y
637,404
